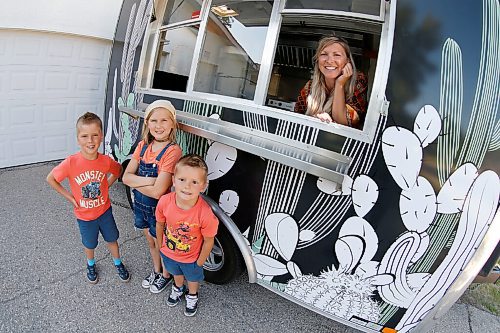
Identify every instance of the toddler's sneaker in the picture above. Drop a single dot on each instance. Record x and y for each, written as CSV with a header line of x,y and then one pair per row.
x,y
92,274
176,294
150,279
160,284
122,272
191,305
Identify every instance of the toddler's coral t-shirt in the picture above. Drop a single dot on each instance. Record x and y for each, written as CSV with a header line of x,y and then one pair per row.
x,y
185,229
88,182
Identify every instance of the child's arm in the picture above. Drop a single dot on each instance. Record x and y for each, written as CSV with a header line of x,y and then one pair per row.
x,y
159,234
153,187
208,243
61,190
132,180
112,178
161,185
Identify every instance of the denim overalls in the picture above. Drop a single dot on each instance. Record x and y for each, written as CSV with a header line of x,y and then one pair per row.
x,y
144,206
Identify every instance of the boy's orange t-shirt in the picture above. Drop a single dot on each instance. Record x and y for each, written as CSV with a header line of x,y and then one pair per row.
x,y
167,161
185,229
88,182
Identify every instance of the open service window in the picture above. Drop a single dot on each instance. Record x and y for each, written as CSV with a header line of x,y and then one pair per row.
x,y
257,55
297,43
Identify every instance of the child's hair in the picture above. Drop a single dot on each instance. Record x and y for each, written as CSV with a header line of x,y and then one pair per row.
x,y
89,118
146,135
194,161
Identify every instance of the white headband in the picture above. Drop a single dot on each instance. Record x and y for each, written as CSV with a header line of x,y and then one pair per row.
x,y
161,103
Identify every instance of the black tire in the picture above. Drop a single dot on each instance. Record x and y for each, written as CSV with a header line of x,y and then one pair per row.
x,y
225,262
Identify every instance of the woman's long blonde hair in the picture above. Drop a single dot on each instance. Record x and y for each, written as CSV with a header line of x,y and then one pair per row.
x,y
317,100
148,137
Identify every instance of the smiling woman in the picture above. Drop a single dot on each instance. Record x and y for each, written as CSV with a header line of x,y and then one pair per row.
x,y
337,92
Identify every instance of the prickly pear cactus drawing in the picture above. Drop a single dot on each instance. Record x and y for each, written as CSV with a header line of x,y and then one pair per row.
x,y
449,218
344,291
454,216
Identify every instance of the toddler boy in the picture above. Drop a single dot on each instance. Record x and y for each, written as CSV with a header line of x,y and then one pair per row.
x,y
186,227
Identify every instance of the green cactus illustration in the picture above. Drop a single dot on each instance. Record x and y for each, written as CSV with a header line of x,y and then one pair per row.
x,y
125,142
257,245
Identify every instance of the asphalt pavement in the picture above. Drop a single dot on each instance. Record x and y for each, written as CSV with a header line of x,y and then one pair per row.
x,y
43,286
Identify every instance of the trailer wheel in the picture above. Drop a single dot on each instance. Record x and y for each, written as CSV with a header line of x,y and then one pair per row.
x,y
225,263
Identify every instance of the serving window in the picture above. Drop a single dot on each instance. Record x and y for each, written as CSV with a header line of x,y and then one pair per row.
x,y
297,42
256,55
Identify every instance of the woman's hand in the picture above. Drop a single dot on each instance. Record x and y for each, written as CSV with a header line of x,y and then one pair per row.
x,y
344,77
324,117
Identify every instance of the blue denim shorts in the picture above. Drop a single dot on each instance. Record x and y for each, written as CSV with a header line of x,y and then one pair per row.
x,y
89,230
145,220
191,271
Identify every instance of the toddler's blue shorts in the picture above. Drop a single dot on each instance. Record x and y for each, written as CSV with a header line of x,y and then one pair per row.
x,y
89,230
191,271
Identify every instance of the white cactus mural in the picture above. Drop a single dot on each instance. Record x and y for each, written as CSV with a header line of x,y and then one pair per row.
x,y
329,187
474,197
479,210
418,206
364,194
403,155
451,197
398,278
358,283
359,227
220,159
345,291
229,201
427,125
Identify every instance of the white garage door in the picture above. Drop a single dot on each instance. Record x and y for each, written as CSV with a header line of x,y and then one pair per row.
x,y
47,80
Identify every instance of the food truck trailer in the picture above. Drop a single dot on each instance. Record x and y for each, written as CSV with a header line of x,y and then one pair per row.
x,y
380,228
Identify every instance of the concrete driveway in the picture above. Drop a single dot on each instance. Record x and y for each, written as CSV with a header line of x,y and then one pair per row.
x,y
43,288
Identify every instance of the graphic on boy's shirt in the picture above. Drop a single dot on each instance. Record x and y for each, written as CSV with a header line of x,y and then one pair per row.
x,y
179,239
91,192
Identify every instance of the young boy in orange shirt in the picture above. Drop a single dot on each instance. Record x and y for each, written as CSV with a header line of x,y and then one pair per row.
x,y
87,173
186,227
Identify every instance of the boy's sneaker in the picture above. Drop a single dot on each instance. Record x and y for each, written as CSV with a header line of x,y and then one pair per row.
x,y
191,305
122,272
92,274
150,279
159,284
176,294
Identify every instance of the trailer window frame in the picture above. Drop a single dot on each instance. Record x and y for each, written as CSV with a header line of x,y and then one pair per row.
x,y
377,103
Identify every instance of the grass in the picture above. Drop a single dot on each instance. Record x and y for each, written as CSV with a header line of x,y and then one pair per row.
x,y
485,296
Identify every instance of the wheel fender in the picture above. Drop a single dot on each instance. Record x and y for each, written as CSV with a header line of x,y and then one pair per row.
x,y
237,236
